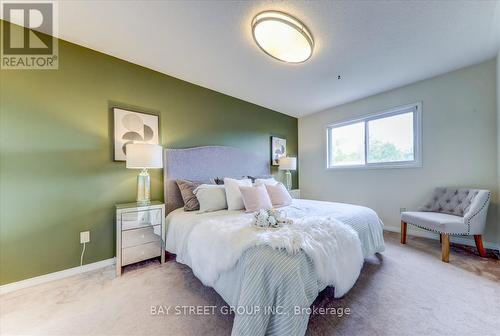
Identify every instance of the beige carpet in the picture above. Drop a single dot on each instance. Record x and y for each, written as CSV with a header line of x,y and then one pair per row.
x,y
405,291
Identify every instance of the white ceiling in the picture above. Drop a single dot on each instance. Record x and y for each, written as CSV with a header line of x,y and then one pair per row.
x,y
373,45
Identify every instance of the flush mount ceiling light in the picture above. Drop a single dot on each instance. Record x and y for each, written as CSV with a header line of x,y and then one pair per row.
x,y
282,36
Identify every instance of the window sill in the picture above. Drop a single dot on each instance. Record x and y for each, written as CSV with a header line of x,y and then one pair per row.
x,y
378,166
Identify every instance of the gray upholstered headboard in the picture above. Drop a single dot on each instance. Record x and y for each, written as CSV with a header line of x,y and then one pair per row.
x,y
205,163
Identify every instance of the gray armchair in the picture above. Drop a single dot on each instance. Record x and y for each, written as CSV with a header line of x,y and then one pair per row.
x,y
451,211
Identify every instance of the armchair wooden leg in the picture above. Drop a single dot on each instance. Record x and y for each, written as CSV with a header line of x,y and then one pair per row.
x,y
403,232
445,247
479,244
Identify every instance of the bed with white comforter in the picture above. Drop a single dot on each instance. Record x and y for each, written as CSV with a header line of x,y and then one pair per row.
x,y
280,271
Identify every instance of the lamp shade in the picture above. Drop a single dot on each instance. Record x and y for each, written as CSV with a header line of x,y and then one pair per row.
x,y
288,163
140,156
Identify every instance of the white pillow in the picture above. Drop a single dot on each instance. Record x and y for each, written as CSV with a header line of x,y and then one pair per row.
x,y
233,193
266,181
212,197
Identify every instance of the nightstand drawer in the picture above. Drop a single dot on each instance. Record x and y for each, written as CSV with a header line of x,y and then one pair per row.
x,y
141,218
141,236
141,252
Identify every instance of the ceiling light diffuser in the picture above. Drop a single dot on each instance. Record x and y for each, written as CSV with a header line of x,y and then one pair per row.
x,y
282,36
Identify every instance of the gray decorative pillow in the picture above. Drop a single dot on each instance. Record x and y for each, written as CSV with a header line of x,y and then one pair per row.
x,y
218,180
260,177
190,201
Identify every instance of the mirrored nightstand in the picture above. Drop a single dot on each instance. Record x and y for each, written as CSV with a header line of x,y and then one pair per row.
x,y
140,232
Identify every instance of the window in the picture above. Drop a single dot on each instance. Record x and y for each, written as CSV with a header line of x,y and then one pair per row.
x,y
383,140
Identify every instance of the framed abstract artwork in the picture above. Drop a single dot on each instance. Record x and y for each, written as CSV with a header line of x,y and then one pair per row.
x,y
133,127
278,149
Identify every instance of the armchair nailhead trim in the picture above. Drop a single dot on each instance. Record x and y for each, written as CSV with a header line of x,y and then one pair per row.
x,y
448,233
477,212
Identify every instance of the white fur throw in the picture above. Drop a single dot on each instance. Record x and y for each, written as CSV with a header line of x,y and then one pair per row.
x,y
214,246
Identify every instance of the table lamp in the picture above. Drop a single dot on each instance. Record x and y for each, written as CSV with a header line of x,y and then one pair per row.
x,y
144,156
288,163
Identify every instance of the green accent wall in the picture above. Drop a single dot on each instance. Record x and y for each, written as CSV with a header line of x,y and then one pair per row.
x,y
57,175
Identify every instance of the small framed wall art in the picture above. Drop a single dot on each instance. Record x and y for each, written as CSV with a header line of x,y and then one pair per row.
x,y
133,127
278,149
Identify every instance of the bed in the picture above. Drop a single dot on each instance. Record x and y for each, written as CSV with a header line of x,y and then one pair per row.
x,y
268,288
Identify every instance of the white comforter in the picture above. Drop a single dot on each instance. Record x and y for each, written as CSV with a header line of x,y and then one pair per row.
x,y
215,245
211,243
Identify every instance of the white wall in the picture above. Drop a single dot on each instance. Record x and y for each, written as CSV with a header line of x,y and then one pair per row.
x,y
459,147
498,130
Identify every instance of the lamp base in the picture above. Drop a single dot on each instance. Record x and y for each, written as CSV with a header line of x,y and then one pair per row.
x,y
143,203
288,181
143,188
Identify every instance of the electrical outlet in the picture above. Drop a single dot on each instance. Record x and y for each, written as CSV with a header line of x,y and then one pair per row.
x,y
84,237
402,210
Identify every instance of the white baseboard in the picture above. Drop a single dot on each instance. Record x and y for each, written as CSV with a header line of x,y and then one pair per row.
x,y
107,262
414,231
55,276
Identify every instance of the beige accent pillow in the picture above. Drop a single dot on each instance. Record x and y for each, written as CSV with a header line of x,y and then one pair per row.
x,y
212,197
187,192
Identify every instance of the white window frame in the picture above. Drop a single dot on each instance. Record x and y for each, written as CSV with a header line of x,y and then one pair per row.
x,y
416,108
